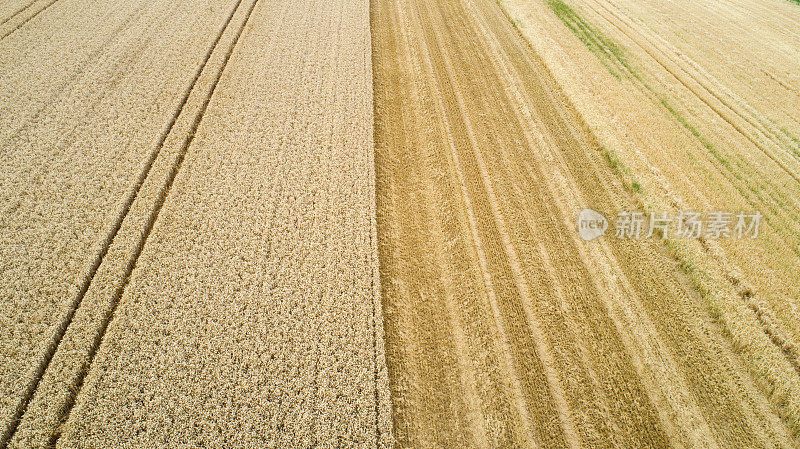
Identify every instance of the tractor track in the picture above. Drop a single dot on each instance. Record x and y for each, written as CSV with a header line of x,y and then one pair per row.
x,y
18,11
26,20
176,166
66,319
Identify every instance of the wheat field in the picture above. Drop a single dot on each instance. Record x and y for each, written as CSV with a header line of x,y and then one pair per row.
x,y
225,217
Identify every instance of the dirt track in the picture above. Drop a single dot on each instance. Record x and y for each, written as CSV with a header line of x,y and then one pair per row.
x,y
503,327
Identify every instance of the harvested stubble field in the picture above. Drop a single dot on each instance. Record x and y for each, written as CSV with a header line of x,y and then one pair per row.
x,y
215,214
496,122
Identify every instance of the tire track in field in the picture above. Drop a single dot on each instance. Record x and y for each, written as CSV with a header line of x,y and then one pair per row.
x,y
66,319
774,77
26,20
18,11
62,325
109,315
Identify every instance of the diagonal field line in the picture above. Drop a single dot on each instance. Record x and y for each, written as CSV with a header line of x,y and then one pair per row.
x,y
62,326
17,12
20,25
109,315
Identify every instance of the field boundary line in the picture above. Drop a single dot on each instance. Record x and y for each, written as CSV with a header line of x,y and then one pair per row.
x,y
66,320
375,272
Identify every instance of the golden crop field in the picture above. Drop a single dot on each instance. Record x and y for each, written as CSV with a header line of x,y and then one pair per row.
x,y
386,223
